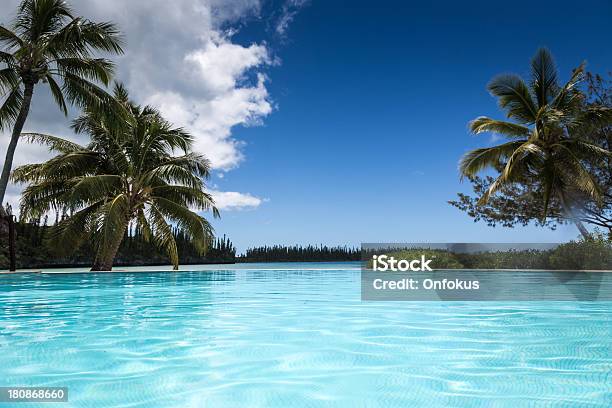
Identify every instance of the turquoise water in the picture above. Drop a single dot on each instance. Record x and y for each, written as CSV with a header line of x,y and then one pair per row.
x,y
275,337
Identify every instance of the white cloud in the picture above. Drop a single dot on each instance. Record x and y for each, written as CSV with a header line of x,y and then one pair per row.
x,y
211,121
231,200
289,11
219,64
181,57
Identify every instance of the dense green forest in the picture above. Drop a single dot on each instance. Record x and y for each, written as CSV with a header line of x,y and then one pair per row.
x,y
593,253
34,249
297,253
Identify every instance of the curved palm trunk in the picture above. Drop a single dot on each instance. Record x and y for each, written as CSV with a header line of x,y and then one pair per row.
x,y
568,210
583,231
10,152
104,259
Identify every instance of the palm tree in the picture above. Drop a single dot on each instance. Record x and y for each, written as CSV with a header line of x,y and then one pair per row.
x,y
48,44
127,175
547,138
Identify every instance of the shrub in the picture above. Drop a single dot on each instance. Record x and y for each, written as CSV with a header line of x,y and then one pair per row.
x,y
591,253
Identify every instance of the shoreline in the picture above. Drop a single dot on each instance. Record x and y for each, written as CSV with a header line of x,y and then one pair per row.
x,y
209,268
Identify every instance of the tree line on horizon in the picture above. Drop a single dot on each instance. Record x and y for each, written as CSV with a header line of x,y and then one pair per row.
x,y
299,253
35,249
592,253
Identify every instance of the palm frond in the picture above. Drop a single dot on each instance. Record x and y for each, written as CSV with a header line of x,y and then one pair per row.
x,y
54,143
513,95
581,178
87,189
143,224
590,120
513,170
72,164
37,199
489,157
79,37
114,218
9,38
198,228
193,162
508,129
10,108
162,235
58,96
9,80
104,36
37,19
569,99
543,77
498,184
71,232
171,173
96,69
187,196
583,149
516,160
26,173
86,94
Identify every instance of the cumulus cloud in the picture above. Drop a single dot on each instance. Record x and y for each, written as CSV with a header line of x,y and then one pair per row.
x,y
182,57
231,200
217,70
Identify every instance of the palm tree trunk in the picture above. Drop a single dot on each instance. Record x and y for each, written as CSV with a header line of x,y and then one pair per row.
x,y
10,152
12,244
583,231
570,213
105,257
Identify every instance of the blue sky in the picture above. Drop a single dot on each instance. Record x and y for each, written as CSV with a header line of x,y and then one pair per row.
x,y
372,105
334,122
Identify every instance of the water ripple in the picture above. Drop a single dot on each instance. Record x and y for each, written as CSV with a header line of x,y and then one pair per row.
x,y
281,338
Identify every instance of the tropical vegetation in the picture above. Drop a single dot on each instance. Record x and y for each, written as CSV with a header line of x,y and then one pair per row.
x,y
299,253
47,44
592,253
36,248
554,155
128,175
137,187
522,204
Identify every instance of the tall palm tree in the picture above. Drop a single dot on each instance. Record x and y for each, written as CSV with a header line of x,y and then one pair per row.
x,y
547,138
127,175
47,44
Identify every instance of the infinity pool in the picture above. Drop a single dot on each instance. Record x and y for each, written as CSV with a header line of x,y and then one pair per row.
x,y
285,335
